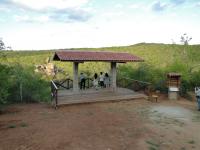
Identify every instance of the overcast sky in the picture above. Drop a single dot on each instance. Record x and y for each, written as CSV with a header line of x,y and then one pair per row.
x,y
49,24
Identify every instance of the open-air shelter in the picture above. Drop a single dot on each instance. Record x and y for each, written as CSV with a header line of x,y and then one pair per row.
x,y
77,57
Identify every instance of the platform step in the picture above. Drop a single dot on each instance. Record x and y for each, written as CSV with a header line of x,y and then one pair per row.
x,y
72,100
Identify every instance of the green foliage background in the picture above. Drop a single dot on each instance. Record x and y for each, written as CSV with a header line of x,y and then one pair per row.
x,y
17,67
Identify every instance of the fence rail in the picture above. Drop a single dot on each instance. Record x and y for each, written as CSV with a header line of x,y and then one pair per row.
x,y
54,93
89,82
134,84
66,84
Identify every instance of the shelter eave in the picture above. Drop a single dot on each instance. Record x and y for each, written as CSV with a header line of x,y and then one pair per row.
x,y
82,61
93,56
56,58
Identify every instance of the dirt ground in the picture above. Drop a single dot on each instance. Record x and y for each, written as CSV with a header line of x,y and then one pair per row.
x,y
126,125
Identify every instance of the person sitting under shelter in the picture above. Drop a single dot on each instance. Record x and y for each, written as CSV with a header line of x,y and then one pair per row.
x,y
106,80
95,81
101,79
82,81
197,92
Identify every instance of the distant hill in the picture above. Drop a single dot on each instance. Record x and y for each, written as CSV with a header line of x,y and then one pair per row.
x,y
156,55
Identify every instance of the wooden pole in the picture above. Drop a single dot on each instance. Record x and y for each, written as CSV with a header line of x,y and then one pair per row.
x,y
21,93
75,77
114,75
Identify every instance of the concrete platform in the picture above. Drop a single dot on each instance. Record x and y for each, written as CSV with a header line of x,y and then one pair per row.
x,y
66,97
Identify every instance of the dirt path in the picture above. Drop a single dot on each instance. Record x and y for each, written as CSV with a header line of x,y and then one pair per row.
x,y
127,125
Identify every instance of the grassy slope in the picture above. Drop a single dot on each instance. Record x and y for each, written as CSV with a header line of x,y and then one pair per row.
x,y
157,55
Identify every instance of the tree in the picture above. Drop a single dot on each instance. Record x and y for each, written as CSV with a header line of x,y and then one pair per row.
x,y
185,39
2,45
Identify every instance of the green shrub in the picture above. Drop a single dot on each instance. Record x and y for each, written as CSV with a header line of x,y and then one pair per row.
x,y
21,84
4,83
144,72
195,78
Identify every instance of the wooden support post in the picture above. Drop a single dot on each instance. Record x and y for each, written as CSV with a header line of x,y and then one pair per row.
x,y
56,99
75,77
114,75
68,84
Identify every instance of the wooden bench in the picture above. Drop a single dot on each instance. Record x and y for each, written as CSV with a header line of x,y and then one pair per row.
x,y
151,95
154,97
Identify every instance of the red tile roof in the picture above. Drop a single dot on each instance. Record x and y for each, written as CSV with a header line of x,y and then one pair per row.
x,y
73,55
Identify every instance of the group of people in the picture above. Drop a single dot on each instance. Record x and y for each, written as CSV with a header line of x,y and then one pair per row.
x,y
102,81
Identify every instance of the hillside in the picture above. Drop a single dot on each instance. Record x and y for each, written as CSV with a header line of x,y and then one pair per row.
x,y
157,55
18,68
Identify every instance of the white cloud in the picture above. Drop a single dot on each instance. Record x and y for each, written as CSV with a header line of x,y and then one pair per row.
x,y
178,2
27,18
113,14
140,6
135,6
65,16
118,5
159,6
45,4
22,18
42,18
50,10
4,9
198,4
2,20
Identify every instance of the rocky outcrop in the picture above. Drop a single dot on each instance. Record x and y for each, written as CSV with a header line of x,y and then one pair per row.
x,y
48,69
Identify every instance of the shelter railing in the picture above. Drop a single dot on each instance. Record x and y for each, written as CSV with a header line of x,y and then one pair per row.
x,y
68,83
64,84
88,82
54,93
134,84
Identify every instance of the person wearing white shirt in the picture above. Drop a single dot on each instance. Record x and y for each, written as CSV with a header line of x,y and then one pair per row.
x,y
197,92
106,80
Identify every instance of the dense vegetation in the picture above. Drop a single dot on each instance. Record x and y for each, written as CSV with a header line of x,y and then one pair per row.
x,y
17,69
